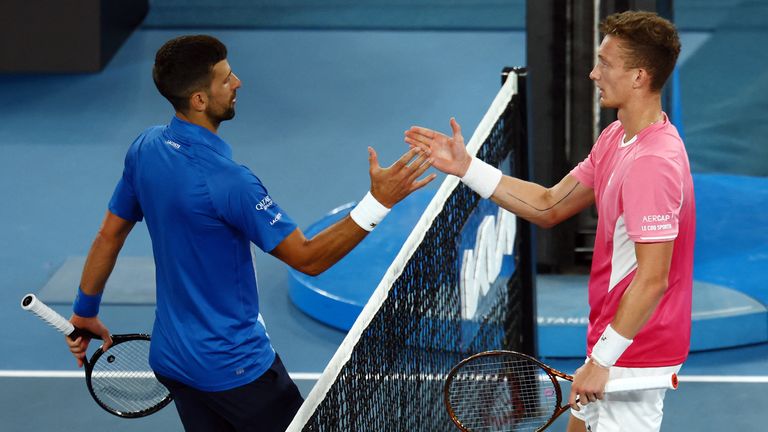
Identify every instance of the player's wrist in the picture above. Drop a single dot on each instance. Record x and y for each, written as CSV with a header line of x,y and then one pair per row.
x,y
86,305
482,177
609,348
598,364
369,212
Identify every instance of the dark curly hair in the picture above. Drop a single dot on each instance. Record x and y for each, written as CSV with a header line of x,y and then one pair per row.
x,y
650,41
184,65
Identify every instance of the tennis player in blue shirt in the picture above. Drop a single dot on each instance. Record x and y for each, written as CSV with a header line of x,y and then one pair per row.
x,y
202,209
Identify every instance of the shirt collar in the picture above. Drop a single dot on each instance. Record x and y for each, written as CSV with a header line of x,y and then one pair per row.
x,y
191,133
650,128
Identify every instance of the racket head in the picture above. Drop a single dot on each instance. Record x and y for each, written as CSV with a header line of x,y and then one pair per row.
x,y
502,391
121,381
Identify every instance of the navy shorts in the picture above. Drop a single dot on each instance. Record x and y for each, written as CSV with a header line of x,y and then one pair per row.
x,y
265,404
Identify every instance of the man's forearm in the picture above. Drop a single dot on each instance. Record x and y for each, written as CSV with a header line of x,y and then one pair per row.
x,y
542,206
329,246
99,263
637,306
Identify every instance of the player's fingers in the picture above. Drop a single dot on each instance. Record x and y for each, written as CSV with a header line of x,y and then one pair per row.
x,y
416,144
78,345
418,131
585,398
417,136
572,400
373,159
72,343
414,137
107,341
405,159
420,166
455,127
423,182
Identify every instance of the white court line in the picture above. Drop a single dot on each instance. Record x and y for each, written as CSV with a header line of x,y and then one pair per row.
x,y
314,376
748,379
297,376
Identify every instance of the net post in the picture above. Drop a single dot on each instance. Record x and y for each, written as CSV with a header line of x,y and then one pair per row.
x,y
521,162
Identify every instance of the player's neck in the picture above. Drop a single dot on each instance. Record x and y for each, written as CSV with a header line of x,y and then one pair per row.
x,y
638,114
199,119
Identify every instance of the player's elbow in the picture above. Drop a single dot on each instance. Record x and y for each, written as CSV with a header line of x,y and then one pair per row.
x,y
657,285
661,286
545,222
311,266
312,270
547,219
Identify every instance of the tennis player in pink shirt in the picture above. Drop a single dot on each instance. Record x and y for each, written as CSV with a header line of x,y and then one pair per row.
x,y
638,176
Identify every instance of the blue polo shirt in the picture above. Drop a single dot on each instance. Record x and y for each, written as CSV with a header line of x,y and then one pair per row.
x,y
202,210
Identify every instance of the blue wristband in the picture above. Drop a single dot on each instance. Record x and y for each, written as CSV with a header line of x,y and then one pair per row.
x,y
86,306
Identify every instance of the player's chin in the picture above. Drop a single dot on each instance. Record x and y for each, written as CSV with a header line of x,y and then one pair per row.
x,y
607,103
228,114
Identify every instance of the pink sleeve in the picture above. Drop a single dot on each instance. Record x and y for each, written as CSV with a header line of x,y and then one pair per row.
x,y
652,195
584,172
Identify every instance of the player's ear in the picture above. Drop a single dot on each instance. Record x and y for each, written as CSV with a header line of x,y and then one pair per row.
x,y
198,101
641,78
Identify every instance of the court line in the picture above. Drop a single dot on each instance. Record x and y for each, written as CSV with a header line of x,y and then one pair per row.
x,y
748,379
314,376
296,376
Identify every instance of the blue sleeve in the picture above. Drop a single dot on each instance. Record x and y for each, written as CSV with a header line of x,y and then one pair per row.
x,y
243,201
124,202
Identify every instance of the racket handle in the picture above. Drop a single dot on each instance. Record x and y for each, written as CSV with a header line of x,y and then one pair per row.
x,y
668,381
50,316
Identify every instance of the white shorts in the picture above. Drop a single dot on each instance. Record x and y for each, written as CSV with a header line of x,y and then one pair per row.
x,y
639,411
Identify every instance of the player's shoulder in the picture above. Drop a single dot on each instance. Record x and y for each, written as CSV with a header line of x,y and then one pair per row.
x,y
148,135
234,177
664,143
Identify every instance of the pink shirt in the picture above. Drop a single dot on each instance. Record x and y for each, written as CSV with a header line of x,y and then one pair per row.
x,y
644,194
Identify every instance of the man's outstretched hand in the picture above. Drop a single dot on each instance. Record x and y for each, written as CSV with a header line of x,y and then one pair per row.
x,y
449,154
390,185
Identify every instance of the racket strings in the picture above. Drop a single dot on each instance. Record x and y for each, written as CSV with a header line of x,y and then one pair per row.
x,y
502,393
122,380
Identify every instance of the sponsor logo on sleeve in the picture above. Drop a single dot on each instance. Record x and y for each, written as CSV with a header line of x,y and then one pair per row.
x,y
656,222
265,203
276,219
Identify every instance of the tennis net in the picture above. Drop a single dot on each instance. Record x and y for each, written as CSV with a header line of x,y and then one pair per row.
x,y
461,284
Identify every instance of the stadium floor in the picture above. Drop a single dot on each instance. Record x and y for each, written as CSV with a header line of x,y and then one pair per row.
x,y
310,104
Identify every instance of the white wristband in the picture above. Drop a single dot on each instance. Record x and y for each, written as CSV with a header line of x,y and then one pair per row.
x,y
609,347
482,178
368,212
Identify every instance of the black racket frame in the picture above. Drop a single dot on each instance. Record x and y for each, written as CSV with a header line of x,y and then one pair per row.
x,y
116,340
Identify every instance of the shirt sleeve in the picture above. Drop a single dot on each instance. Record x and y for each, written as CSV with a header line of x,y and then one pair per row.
x,y
243,201
584,172
124,202
652,196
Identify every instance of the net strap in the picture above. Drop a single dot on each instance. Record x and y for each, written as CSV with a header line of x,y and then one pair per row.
x,y
342,355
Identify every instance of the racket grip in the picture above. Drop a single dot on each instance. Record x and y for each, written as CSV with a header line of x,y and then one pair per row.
x,y
31,303
668,381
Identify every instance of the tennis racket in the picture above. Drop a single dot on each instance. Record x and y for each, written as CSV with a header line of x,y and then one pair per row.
x,y
120,379
510,391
